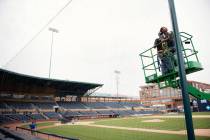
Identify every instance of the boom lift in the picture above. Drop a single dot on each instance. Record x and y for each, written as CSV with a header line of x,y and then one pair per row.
x,y
153,74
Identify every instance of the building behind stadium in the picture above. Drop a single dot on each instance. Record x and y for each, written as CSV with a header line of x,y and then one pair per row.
x,y
170,99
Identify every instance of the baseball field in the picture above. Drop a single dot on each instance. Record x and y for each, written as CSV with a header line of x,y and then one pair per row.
x,y
162,127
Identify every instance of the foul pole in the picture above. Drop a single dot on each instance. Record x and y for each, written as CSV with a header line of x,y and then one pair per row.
x,y
182,74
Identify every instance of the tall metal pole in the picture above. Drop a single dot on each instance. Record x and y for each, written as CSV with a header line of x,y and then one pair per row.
x,y
51,55
117,80
51,49
117,83
117,86
182,74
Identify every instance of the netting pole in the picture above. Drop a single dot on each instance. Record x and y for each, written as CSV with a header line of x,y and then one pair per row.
x,y
182,74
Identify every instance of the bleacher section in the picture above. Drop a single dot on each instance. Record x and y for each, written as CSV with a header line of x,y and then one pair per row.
x,y
131,104
88,113
20,105
95,105
19,117
71,114
71,105
4,119
68,105
47,105
52,115
45,110
113,105
105,112
3,105
37,117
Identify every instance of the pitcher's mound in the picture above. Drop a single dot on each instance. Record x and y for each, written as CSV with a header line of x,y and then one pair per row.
x,y
154,120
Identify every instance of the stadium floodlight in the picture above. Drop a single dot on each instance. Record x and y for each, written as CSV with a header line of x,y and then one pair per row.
x,y
53,30
117,73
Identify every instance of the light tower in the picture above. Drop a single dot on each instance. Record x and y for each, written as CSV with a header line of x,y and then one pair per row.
x,y
53,30
117,78
117,73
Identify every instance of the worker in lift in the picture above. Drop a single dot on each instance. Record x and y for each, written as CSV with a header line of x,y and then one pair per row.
x,y
165,50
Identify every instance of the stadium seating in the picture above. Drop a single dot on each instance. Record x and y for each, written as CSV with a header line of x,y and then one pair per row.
x,y
122,112
132,112
5,119
105,112
20,105
19,117
75,109
3,105
72,105
88,113
95,105
46,105
52,115
113,105
131,104
71,114
36,117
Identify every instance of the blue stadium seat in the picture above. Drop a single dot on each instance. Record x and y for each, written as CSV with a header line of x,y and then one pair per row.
x,y
52,115
72,105
45,105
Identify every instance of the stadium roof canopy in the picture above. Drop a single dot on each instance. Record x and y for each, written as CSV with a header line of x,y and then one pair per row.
x,y
12,82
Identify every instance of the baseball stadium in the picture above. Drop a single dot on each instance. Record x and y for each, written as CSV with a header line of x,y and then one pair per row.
x,y
168,105
66,110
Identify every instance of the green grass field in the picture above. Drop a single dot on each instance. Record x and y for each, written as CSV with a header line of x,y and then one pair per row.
x,y
193,113
201,113
168,124
96,133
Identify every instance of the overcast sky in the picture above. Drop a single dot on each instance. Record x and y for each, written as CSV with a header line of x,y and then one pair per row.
x,y
96,37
